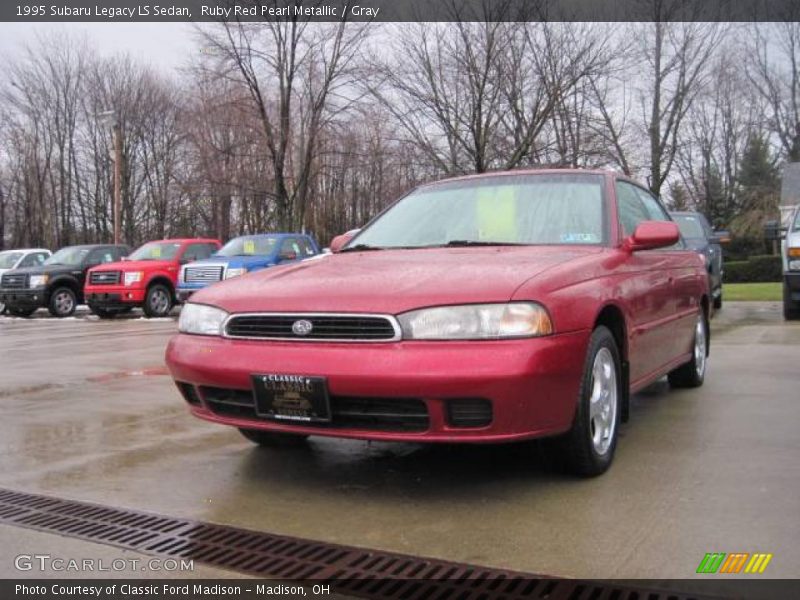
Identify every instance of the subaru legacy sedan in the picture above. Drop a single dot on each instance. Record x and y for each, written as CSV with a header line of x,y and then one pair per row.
x,y
489,308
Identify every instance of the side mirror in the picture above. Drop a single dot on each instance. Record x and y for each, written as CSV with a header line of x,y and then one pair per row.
x,y
653,234
184,261
340,241
720,237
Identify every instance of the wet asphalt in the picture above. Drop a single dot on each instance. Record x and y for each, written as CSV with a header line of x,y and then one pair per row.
x,y
87,412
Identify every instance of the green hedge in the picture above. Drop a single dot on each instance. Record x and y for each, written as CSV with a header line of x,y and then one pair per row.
x,y
757,269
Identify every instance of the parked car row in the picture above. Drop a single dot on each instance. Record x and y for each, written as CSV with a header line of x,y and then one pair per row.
x,y
111,280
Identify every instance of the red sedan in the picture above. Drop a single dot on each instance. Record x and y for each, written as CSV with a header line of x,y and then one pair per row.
x,y
488,308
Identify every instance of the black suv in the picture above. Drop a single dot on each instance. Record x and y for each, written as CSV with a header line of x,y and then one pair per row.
x,y
58,283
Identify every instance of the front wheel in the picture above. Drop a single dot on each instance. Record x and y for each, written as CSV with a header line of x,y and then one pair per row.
x,y
158,301
791,309
693,373
589,446
718,301
271,439
62,302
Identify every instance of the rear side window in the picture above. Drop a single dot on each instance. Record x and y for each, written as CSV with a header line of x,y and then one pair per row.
x,y
199,251
33,260
306,249
102,255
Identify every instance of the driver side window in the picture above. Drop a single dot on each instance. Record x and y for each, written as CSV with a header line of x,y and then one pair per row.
x,y
631,209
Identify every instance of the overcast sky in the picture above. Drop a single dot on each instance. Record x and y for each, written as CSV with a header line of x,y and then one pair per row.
x,y
164,45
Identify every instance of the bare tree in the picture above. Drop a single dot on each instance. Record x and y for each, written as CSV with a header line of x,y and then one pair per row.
x,y
774,70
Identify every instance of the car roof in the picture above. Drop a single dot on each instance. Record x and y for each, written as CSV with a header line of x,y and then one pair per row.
x,y
180,240
533,171
25,250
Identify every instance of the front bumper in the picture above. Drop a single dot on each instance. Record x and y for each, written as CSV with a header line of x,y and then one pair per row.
x,y
23,299
532,384
117,296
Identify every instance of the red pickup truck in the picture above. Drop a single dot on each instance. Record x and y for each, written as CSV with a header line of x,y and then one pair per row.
x,y
147,278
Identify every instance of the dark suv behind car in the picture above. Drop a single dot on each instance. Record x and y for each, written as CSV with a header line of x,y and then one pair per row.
x,y
699,236
58,283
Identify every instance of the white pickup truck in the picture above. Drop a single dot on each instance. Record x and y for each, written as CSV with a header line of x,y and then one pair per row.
x,y
790,254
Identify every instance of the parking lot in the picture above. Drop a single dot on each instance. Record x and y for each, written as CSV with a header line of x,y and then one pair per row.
x,y
89,413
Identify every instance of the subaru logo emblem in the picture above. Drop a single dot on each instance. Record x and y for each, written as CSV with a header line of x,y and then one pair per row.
x,y
302,327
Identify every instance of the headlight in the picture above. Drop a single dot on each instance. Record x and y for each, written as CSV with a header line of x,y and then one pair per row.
x,y
794,265
476,321
201,319
38,281
234,272
132,277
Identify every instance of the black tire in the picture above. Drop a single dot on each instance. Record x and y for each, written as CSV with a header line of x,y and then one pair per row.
x,y
271,439
2,308
158,301
718,301
693,373
577,448
21,312
791,309
62,302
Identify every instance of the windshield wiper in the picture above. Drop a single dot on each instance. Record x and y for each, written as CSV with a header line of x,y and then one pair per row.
x,y
460,243
360,248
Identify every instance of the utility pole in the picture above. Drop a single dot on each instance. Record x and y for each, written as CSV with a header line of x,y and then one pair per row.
x,y
109,118
115,130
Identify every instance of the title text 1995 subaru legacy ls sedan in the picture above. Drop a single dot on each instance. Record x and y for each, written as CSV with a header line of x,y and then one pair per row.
x,y
488,308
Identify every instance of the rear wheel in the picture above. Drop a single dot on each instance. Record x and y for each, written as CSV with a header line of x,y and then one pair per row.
x,y
791,309
272,439
693,373
158,301
589,446
62,302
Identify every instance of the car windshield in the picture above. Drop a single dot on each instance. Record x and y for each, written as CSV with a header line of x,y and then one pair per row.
x,y
72,255
690,226
9,259
507,209
156,251
249,246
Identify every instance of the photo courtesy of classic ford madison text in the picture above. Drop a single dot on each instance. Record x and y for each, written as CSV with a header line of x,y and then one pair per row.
x,y
400,300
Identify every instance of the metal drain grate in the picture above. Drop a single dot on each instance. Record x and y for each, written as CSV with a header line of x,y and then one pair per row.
x,y
350,571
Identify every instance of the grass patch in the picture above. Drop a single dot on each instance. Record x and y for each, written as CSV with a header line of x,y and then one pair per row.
x,y
752,291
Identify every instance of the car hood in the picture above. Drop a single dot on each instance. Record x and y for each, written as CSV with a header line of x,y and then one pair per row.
x,y
49,269
390,281
233,261
134,265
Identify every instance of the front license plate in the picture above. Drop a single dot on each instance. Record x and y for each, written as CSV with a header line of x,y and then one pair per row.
x,y
292,397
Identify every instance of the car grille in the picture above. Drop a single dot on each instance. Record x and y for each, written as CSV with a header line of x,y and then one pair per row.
x,y
208,274
347,328
14,281
376,414
104,277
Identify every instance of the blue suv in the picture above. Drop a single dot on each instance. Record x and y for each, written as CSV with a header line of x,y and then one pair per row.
x,y
244,255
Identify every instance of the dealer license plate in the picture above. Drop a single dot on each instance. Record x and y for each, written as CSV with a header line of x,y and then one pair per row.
x,y
292,397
